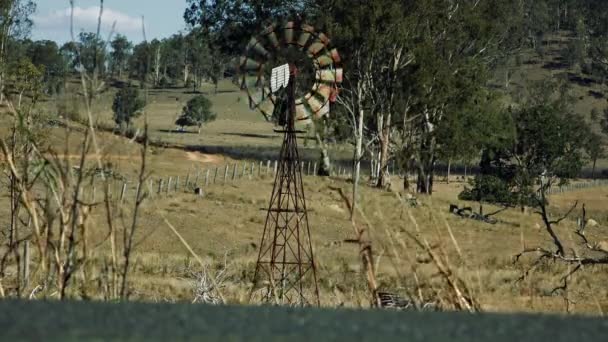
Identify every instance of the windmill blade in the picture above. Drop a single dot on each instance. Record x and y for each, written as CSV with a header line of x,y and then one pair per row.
x,y
331,57
273,39
249,64
305,34
303,111
267,107
257,46
330,76
321,90
319,44
288,32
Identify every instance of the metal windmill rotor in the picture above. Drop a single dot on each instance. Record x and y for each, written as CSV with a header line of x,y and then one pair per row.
x,y
277,44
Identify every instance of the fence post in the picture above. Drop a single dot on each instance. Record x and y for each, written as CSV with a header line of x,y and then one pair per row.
x,y
160,186
217,168
252,170
137,191
123,191
150,188
260,169
26,263
244,170
276,164
169,185
188,179
267,166
206,178
198,175
176,183
314,169
235,171
308,169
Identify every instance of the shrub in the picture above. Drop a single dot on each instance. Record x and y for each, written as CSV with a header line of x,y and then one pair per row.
x,y
127,105
196,112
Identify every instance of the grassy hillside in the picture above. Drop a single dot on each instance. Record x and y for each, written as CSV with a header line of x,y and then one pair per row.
x,y
225,225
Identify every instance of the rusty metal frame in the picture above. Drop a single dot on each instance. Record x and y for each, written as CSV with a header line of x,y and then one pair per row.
x,y
285,263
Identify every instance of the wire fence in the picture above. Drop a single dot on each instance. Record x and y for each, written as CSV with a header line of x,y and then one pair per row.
x,y
196,181
578,186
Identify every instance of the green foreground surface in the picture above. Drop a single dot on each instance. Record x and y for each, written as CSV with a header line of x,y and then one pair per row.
x,y
43,321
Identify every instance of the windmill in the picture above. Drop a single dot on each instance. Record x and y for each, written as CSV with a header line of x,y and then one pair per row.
x,y
290,74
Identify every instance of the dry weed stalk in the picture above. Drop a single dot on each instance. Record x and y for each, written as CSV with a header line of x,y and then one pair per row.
x,y
365,247
49,209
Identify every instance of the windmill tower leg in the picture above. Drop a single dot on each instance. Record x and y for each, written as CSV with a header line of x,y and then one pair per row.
x,y
285,268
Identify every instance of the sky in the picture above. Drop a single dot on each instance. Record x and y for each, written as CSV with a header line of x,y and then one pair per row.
x,y
162,18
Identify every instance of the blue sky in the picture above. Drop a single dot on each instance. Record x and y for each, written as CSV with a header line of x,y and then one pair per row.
x,y
162,17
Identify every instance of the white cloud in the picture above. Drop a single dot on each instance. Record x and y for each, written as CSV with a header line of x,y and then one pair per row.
x,y
85,19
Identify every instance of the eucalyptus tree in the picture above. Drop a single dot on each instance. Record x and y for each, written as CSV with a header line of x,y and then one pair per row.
x,y
119,56
15,23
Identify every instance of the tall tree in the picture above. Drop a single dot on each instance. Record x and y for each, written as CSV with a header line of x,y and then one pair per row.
x,y
92,53
121,51
15,23
140,62
46,53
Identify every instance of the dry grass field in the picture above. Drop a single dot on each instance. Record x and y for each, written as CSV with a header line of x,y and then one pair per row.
x,y
224,226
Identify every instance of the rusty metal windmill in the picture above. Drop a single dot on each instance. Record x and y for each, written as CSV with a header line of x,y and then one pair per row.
x,y
291,75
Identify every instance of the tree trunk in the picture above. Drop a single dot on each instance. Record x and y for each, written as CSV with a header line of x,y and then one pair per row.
x,y
449,169
186,74
157,67
357,160
384,179
325,164
426,166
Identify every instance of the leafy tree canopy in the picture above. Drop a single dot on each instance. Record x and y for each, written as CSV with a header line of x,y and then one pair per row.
x,y
127,105
196,113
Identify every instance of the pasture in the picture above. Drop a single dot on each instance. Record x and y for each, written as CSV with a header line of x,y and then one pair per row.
x,y
224,226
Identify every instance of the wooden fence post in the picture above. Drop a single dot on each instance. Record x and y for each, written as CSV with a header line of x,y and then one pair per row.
x,y
260,169
206,178
150,188
176,183
160,186
26,263
123,192
169,185
276,164
267,166
217,168
198,175
252,170
137,191
308,169
314,169
235,171
226,173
